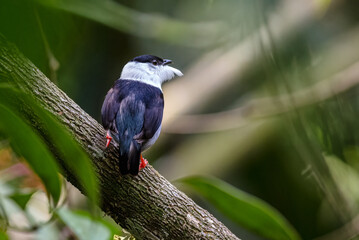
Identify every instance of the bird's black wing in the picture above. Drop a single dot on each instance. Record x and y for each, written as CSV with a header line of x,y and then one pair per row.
x,y
110,108
152,118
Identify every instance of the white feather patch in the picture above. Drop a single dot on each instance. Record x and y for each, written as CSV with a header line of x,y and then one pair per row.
x,y
148,73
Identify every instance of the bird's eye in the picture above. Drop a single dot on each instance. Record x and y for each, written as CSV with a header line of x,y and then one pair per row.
x,y
155,62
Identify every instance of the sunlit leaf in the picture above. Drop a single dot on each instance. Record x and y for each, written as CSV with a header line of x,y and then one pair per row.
x,y
69,150
32,148
21,199
85,226
346,178
244,209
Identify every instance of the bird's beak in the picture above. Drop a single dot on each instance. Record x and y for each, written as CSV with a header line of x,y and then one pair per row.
x,y
167,61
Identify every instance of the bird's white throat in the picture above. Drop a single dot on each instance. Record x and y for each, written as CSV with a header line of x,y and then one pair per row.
x,y
149,74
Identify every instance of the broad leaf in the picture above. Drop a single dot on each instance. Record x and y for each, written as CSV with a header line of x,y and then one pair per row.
x,y
3,236
21,199
117,16
244,209
32,148
346,179
69,150
86,227
48,231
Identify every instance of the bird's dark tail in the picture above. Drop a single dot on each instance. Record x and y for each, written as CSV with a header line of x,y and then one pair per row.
x,y
130,162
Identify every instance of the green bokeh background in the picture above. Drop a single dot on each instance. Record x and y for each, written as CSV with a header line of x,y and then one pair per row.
x,y
299,156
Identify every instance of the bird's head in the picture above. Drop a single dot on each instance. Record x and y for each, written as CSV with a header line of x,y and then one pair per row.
x,y
150,69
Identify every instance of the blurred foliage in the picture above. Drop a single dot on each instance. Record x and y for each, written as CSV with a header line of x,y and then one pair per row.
x,y
28,144
82,224
242,208
31,147
3,236
27,211
268,103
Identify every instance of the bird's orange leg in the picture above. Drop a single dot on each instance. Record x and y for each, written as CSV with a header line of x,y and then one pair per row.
x,y
143,163
109,138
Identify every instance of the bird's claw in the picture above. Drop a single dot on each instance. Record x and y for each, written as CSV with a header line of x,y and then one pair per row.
x,y
109,138
143,163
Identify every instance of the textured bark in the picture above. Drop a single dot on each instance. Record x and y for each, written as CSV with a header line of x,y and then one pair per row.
x,y
147,205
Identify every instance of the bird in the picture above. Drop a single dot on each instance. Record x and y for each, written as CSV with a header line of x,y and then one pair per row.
x,y
133,109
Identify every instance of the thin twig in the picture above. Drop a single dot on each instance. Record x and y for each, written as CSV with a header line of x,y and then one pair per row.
x,y
266,107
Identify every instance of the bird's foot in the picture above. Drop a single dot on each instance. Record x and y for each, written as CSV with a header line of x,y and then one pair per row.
x,y
143,163
109,138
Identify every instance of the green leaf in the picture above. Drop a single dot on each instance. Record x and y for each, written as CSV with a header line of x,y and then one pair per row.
x,y
156,26
32,148
346,179
68,149
85,226
3,236
244,209
21,199
48,231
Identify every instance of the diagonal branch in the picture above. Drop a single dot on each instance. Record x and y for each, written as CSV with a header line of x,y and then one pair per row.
x,y
147,205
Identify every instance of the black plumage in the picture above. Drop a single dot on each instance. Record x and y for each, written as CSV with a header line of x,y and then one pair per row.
x,y
147,58
133,112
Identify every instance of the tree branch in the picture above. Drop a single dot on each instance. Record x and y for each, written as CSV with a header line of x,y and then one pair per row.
x,y
147,205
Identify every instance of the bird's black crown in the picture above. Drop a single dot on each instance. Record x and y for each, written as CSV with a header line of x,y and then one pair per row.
x,y
147,59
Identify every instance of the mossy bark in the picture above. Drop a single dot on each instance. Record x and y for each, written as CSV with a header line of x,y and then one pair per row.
x,y
147,205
